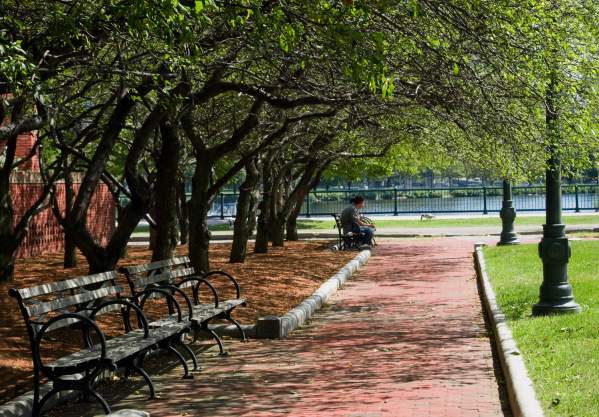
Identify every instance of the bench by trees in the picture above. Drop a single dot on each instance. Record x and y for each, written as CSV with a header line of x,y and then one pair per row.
x,y
74,306
179,277
348,240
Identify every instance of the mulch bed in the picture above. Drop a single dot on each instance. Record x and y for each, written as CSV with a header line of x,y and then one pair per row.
x,y
272,283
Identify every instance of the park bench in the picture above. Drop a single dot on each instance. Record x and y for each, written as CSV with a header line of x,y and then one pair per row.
x,y
74,305
346,241
180,276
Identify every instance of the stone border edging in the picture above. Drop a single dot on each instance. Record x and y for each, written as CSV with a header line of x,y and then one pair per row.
x,y
273,327
521,393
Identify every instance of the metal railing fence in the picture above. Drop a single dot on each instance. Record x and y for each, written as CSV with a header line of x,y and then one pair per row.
x,y
397,201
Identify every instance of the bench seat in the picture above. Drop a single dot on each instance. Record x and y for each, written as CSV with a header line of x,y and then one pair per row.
x,y
117,349
176,275
201,313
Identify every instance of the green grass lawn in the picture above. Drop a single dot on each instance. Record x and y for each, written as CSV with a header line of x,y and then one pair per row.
x,y
492,220
561,352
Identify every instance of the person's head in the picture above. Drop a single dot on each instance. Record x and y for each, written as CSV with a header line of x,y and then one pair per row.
x,y
357,201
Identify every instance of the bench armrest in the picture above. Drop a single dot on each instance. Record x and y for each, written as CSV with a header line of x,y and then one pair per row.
x,y
207,275
196,291
90,322
174,289
141,318
169,297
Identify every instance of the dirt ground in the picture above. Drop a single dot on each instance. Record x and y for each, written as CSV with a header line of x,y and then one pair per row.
x,y
272,283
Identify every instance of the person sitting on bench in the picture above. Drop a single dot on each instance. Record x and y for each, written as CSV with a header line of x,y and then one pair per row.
x,y
352,222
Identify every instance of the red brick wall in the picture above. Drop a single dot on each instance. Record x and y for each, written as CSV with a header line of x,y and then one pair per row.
x,y
45,234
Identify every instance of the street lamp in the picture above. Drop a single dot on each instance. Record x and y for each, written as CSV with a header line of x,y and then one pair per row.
x,y
556,295
508,215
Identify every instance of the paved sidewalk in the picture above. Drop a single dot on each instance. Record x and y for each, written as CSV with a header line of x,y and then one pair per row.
x,y
404,338
400,232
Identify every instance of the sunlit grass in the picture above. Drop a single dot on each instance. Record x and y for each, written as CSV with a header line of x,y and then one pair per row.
x,y
491,220
561,352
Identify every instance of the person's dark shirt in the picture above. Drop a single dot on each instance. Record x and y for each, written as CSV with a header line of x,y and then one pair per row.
x,y
349,219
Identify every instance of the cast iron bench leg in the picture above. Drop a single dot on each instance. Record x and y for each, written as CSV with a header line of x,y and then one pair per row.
x,y
232,320
169,347
191,353
146,377
211,332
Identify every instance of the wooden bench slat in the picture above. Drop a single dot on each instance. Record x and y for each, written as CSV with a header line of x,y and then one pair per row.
x,y
68,321
117,348
45,307
68,284
182,272
142,281
136,269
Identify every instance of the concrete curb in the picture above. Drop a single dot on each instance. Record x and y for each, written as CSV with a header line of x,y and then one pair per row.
x,y
521,393
232,331
273,327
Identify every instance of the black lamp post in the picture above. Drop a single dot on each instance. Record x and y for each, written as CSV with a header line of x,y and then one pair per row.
x,y
556,295
508,215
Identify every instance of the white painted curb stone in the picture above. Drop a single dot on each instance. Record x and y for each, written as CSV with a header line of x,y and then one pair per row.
x,y
521,393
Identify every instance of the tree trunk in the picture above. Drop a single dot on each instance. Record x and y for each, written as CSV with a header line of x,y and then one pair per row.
x,y
253,211
152,230
182,212
70,249
101,259
262,232
291,225
119,212
278,231
165,201
277,219
199,235
297,197
7,246
241,231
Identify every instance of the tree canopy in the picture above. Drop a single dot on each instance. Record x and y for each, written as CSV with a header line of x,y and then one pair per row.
x,y
140,95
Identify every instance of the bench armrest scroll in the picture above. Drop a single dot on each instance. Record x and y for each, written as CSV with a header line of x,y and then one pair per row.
x,y
169,297
175,289
88,321
129,305
207,275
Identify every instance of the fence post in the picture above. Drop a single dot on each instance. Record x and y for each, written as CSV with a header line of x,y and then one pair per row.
x,y
222,206
576,199
395,212
308,204
485,210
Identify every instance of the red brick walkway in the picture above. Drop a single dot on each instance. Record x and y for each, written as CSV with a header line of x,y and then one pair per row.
x,y
404,338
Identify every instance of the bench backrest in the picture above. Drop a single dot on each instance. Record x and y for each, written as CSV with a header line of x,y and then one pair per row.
x,y
337,218
166,271
78,294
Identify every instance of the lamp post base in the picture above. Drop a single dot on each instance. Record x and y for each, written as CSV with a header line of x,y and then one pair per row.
x,y
556,295
547,309
508,239
508,216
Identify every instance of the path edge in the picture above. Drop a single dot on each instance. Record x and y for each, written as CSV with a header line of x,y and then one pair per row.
x,y
274,327
521,393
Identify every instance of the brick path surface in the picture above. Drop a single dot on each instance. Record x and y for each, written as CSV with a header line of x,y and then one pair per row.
x,y
405,337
